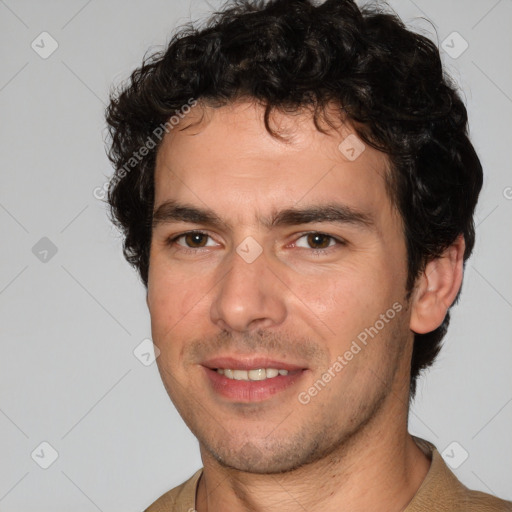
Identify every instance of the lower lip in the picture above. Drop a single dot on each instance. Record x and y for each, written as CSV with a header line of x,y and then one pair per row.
x,y
248,391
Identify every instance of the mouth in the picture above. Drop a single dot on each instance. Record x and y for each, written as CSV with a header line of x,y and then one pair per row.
x,y
256,374
252,379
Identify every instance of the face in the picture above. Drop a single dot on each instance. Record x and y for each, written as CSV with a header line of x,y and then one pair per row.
x,y
276,286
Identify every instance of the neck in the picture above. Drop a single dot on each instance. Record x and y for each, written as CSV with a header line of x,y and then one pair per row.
x,y
380,469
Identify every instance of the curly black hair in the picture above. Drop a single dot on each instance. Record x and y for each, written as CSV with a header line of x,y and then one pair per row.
x,y
291,54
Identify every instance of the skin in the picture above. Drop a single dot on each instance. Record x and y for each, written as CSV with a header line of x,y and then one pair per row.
x,y
294,303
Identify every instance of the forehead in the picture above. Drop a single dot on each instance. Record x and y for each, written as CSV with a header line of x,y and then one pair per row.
x,y
226,158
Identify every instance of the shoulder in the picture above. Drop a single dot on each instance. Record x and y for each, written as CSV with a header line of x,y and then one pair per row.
x,y
477,501
442,491
179,499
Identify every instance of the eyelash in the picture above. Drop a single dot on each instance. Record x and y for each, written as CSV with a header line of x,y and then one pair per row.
x,y
171,241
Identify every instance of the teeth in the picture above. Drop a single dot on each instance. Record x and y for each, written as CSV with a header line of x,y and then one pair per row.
x,y
259,374
240,375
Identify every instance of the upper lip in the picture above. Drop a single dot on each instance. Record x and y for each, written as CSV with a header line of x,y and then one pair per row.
x,y
249,363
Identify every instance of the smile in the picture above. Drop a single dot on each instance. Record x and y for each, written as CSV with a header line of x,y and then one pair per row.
x,y
257,374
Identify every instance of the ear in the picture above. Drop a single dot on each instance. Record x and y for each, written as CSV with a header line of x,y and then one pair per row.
x,y
436,288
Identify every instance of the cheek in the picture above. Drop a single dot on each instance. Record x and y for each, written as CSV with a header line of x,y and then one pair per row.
x,y
346,292
174,300
342,303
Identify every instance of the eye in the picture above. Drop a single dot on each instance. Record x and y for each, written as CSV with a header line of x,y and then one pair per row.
x,y
193,240
317,241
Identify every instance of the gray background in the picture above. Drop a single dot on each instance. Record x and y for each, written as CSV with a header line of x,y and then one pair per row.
x,y
70,321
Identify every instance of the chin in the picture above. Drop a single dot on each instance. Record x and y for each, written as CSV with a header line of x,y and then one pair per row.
x,y
267,458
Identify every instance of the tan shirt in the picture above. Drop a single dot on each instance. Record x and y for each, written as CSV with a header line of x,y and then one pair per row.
x,y
439,492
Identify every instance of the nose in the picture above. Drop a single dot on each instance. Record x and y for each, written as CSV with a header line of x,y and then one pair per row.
x,y
249,296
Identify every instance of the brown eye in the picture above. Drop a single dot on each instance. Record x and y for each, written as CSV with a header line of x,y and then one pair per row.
x,y
318,240
191,240
195,240
319,243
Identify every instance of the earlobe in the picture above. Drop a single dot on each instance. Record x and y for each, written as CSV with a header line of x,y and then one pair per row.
x,y
436,288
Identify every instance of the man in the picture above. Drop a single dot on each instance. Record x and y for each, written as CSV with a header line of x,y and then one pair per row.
x,y
296,188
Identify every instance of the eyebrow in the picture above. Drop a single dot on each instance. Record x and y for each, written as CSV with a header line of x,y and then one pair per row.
x,y
171,212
